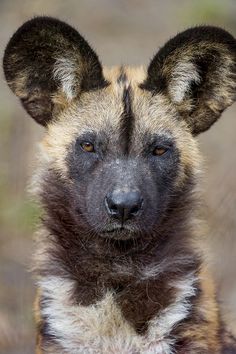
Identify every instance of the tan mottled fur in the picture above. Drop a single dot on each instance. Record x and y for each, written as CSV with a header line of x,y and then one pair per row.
x,y
63,86
101,110
160,115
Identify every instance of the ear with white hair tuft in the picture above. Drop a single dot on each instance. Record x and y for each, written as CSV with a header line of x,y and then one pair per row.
x,y
46,59
197,71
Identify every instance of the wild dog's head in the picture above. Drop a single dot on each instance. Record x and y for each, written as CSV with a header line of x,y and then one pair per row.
x,y
119,152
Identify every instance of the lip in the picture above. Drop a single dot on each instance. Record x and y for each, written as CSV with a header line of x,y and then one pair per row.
x,y
115,229
123,240
118,233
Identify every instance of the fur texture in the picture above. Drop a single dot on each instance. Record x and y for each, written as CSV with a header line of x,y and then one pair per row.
x,y
105,285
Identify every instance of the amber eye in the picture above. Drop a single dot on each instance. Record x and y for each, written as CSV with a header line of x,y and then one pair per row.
x,y
86,146
158,151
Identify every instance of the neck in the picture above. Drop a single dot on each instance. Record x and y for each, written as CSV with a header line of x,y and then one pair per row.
x,y
148,271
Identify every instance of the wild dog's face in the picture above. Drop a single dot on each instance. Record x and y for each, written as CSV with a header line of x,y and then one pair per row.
x,y
126,157
120,142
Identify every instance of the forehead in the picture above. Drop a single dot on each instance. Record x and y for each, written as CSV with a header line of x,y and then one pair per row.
x,y
120,107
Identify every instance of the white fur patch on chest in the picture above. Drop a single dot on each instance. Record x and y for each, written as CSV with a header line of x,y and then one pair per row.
x,y
101,327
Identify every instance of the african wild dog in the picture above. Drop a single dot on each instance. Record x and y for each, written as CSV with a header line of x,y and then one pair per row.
x,y
119,260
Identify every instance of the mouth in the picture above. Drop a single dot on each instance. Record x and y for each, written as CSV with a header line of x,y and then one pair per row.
x,y
119,233
121,239
124,239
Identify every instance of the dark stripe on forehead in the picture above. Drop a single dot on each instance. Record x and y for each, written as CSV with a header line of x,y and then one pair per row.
x,y
127,120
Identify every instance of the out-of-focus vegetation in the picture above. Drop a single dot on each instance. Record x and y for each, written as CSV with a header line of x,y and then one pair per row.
x,y
122,32
209,12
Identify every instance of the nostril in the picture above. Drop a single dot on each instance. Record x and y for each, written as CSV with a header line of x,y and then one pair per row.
x,y
134,210
113,207
123,205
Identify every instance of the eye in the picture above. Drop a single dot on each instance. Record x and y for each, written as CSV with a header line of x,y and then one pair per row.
x,y
87,146
159,151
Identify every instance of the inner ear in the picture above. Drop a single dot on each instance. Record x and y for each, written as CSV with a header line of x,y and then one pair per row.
x,y
47,59
197,71
184,81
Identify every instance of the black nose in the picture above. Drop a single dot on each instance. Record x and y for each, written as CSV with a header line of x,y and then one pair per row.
x,y
123,205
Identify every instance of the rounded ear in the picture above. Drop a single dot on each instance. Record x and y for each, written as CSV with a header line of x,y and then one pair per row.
x,y
46,58
197,71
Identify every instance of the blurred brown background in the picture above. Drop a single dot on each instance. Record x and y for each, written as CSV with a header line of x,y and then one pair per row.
x,y
121,32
